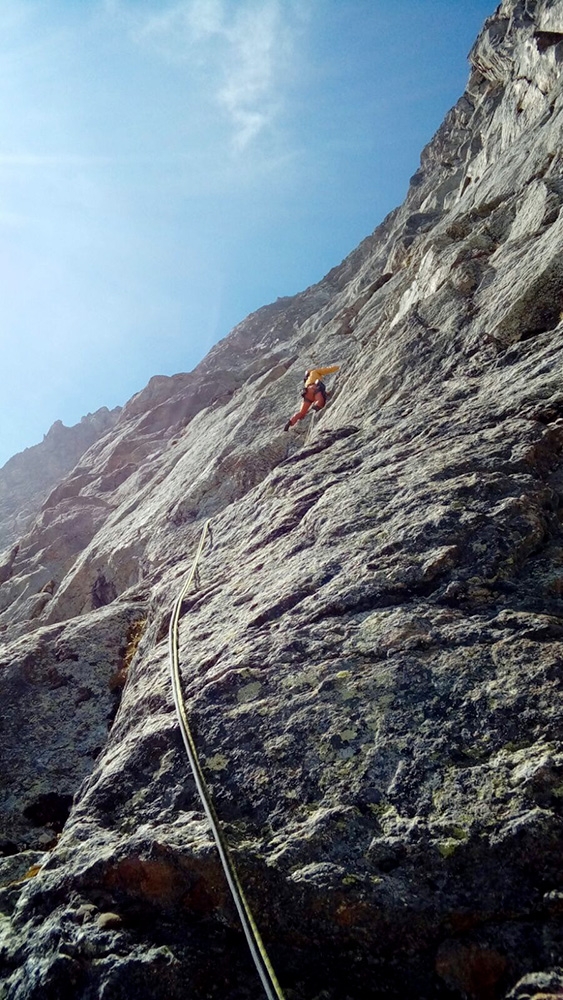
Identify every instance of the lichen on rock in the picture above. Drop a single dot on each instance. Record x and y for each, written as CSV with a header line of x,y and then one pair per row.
x,y
372,654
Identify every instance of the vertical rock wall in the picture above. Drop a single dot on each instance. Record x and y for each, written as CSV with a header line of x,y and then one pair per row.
x,y
372,657
26,479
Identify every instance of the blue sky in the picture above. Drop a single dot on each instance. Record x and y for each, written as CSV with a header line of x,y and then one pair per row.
x,y
168,166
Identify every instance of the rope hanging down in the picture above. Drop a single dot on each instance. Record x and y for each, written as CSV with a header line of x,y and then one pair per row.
x,y
252,934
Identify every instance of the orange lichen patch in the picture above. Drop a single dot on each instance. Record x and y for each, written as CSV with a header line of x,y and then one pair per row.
x,y
155,880
476,971
166,883
351,914
134,636
460,923
32,872
117,680
555,586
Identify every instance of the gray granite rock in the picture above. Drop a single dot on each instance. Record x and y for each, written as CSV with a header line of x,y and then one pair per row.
x,y
26,479
372,654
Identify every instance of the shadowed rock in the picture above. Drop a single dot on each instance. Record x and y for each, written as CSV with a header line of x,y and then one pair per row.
x,y
372,655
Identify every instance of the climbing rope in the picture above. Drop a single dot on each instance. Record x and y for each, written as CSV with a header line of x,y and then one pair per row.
x,y
252,934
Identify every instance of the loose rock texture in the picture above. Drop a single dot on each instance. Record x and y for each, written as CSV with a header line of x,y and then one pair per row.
x,y
373,657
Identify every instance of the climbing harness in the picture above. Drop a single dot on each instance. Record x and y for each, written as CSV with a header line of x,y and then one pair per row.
x,y
252,934
309,392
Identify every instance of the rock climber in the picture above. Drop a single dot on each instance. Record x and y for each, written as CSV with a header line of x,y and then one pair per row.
x,y
313,392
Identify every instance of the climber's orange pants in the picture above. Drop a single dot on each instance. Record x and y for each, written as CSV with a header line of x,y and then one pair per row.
x,y
315,396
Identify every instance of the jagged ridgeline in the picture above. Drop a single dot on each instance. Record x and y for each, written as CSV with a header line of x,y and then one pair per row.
x,y
372,655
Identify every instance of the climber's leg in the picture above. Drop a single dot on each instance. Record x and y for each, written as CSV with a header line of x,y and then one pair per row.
x,y
305,407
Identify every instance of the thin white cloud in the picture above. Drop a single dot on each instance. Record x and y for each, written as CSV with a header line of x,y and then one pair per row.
x,y
205,17
260,45
244,54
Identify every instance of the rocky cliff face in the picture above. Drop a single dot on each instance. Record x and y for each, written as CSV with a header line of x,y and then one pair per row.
x,y
26,479
373,657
